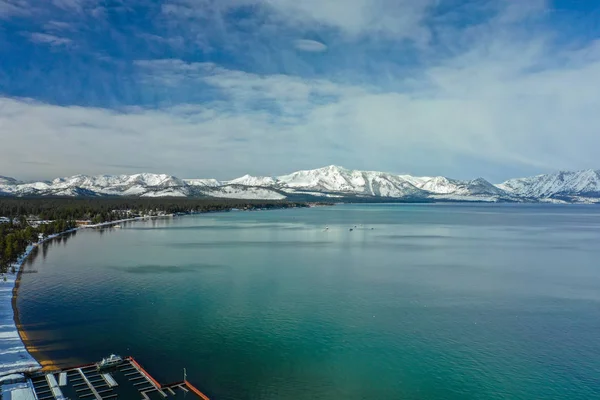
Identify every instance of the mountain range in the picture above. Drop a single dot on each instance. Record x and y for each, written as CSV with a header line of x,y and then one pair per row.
x,y
330,182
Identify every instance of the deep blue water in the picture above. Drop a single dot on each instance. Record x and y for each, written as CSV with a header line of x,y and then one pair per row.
x,y
417,302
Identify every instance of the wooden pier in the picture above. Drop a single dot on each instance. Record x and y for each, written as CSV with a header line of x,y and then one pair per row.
x,y
127,380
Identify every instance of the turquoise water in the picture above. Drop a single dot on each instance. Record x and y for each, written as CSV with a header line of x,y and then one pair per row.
x,y
434,302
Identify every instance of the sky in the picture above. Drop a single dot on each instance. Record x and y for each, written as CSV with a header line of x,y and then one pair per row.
x,y
221,88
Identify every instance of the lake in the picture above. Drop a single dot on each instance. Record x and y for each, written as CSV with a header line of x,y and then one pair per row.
x,y
415,302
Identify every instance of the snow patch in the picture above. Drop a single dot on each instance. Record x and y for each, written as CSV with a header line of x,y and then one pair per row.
x,y
202,182
248,180
247,193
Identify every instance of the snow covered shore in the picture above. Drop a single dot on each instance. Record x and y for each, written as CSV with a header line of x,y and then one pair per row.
x,y
13,354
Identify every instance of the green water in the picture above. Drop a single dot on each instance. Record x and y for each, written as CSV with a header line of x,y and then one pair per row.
x,y
434,302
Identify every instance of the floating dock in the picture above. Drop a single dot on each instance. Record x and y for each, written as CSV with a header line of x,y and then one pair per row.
x,y
54,389
62,379
128,380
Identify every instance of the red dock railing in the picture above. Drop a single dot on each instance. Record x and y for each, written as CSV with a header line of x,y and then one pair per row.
x,y
193,389
187,384
158,385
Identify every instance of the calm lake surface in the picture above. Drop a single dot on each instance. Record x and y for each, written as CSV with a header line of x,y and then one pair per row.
x,y
434,302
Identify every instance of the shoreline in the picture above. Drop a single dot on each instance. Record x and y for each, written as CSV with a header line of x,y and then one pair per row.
x,y
44,364
29,347
15,355
26,361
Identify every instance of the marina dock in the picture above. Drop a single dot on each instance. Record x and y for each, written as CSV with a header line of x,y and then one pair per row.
x,y
126,380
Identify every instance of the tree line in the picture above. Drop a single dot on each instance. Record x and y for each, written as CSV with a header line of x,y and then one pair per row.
x,y
17,234
109,209
61,214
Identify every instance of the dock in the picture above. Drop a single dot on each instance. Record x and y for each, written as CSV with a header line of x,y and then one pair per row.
x,y
62,379
53,386
127,380
109,380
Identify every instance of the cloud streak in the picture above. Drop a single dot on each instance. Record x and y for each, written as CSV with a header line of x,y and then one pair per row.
x,y
310,45
12,8
50,40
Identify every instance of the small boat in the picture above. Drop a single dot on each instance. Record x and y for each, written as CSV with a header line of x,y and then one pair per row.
x,y
117,226
112,361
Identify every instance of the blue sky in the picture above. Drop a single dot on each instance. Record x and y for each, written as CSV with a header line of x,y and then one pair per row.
x,y
204,88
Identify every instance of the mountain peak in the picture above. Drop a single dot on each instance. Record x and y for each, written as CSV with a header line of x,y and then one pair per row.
x,y
249,180
6,180
333,167
559,184
327,169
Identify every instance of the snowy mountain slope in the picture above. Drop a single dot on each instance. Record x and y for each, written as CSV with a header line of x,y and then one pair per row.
x,y
245,192
202,182
446,186
138,185
169,192
119,184
334,179
248,180
338,180
102,185
5,180
327,182
584,183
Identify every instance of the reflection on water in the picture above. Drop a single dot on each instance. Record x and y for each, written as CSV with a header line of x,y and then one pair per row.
x,y
45,246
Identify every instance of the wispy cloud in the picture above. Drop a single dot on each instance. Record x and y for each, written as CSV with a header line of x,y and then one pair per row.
x,y
310,45
176,42
79,7
48,39
58,26
70,5
12,8
400,18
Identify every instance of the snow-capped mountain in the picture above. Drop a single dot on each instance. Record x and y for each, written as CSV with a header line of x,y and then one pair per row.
x,y
202,182
5,180
329,182
107,185
244,192
344,182
442,185
560,185
248,180
138,185
339,180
